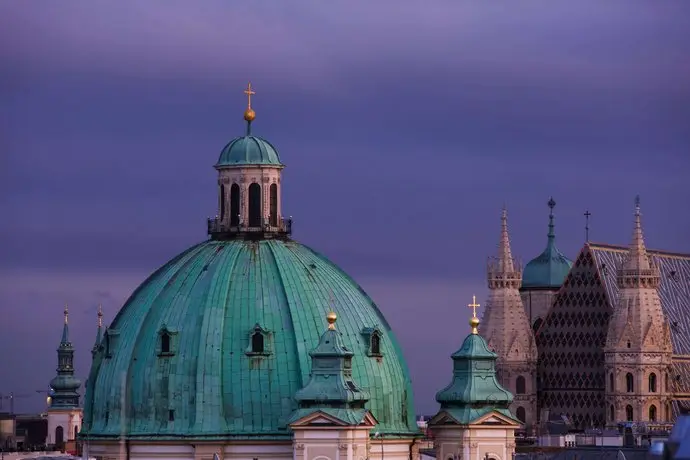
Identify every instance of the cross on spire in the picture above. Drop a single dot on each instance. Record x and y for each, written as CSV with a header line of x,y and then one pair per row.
x,y
587,215
474,306
249,92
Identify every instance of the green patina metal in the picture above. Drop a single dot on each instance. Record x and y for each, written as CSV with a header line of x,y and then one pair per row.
x,y
549,269
331,385
64,385
474,390
210,300
248,150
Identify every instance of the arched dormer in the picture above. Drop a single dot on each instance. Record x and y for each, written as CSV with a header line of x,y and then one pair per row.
x,y
249,182
372,340
259,342
166,342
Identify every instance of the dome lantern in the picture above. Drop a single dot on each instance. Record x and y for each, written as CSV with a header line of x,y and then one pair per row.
x,y
249,187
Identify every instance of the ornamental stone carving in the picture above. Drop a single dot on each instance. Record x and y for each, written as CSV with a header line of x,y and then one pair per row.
x,y
299,446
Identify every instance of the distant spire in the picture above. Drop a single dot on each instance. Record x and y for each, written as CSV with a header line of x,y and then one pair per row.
x,y
65,327
505,256
249,114
637,255
99,332
552,234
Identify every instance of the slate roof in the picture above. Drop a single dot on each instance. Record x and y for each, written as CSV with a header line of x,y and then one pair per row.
x,y
674,290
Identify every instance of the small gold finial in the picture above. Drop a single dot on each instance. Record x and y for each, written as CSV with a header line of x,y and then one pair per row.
x,y
249,114
331,318
66,313
100,315
474,321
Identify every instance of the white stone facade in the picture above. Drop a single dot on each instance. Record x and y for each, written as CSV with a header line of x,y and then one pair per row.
x,y
492,435
64,423
243,177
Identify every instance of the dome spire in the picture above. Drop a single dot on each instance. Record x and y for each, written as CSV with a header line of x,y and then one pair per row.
x,y
552,234
249,114
65,327
474,321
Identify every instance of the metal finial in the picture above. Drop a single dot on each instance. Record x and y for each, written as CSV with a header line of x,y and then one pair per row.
x,y
474,321
100,315
587,214
637,204
249,114
331,318
66,313
551,203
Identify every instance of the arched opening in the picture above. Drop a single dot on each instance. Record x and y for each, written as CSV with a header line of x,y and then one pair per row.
x,y
59,436
76,432
234,205
222,202
612,382
375,344
520,385
612,413
628,413
165,342
257,342
629,385
520,414
652,413
255,205
274,204
652,382
537,324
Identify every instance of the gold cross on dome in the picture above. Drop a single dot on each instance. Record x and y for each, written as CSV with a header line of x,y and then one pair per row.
x,y
474,306
249,94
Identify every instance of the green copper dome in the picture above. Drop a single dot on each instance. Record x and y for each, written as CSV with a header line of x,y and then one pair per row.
x,y
549,269
216,345
248,150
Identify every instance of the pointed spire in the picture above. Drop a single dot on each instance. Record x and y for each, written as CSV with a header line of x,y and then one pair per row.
x,y
99,331
637,256
505,256
65,327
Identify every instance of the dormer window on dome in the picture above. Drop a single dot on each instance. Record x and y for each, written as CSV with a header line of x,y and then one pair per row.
x,y
166,342
259,342
372,337
249,181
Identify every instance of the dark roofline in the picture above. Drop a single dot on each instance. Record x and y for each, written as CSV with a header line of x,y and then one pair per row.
x,y
657,252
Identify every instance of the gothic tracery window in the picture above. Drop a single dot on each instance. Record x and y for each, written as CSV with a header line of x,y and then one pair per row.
x,y
612,382
629,384
520,385
652,382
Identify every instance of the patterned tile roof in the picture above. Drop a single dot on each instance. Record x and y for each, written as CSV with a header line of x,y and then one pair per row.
x,y
674,290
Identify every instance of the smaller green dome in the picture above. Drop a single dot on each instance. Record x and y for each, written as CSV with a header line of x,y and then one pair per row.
x,y
249,150
548,269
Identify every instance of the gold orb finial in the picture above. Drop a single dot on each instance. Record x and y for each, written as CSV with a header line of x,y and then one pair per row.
x,y
249,114
474,321
331,318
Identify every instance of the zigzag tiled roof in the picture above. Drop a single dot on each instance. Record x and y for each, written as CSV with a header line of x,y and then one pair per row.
x,y
674,289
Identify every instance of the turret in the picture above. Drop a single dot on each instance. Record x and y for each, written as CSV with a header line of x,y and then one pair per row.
x,y
249,187
638,346
64,384
508,330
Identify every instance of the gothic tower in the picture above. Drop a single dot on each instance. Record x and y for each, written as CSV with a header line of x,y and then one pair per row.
x,y
543,277
64,414
508,330
249,203
638,343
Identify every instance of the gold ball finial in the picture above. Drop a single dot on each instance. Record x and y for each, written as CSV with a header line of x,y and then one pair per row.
x,y
474,323
249,115
331,318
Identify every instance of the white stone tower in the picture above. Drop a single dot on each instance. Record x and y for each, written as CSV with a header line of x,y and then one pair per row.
x,y
638,344
507,329
249,195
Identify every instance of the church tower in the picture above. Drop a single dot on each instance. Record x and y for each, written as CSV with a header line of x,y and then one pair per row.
x,y
64,413
331,421
249,198
638,346
508,330
474,422
543,277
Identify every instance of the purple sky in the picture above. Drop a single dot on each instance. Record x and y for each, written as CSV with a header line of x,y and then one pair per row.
x,y
405,126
